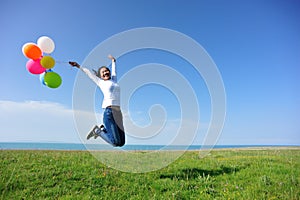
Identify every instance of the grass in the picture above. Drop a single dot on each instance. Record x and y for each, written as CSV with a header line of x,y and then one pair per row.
x,y
223,174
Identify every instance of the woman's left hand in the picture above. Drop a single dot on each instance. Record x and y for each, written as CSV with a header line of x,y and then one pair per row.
x,y
112,58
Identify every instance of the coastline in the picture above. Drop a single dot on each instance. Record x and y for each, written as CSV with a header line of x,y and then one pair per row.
x,y
135,148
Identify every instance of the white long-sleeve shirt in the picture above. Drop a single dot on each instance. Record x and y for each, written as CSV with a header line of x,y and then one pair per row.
x,y
109,88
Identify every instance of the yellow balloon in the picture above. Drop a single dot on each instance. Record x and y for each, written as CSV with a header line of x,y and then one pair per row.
x,y
47,62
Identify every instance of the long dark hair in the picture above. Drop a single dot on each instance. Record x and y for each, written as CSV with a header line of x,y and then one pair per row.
x,y
97,73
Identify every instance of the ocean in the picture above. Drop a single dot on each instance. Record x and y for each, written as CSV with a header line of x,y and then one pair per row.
x,y
82,147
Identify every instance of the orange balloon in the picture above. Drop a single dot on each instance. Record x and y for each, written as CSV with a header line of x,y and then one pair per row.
x,y
32,51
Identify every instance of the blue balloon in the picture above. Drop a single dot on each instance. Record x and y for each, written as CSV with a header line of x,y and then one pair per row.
x,y
42,76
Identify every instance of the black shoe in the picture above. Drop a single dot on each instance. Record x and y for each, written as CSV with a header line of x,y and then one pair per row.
x,y
92,133
102,129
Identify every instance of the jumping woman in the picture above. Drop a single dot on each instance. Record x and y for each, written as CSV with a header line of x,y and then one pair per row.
x,y
113,130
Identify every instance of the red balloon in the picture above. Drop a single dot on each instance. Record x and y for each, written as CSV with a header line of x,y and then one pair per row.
x,y
35,67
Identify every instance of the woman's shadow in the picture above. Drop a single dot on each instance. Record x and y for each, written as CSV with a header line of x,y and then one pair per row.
x,y
193,173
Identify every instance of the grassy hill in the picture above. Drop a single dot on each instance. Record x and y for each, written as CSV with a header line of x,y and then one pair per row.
x,y
223,174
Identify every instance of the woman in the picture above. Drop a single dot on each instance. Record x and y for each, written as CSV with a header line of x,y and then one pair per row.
x,y
113,130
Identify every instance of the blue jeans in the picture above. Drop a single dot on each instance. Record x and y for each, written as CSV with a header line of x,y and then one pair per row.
x,y
114,129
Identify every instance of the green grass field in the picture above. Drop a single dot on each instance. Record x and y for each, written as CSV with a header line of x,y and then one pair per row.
x,y
223,174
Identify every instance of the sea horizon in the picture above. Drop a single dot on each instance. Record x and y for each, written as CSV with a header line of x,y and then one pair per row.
x,y
133,147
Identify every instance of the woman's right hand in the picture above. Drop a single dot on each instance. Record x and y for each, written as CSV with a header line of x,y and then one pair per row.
x,y
74,64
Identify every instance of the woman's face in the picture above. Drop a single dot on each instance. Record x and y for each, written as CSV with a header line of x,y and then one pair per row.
x,y
105,73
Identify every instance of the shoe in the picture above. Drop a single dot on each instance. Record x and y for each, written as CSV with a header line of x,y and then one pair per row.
x,y
102,128
92,133
96,135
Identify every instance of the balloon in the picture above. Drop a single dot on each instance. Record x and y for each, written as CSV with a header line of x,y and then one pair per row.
x,y
31,51
46,44
52,79
23,47
47,62
42,75
34,66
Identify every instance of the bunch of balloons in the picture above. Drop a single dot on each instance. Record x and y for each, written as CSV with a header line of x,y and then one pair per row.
x,y
40,62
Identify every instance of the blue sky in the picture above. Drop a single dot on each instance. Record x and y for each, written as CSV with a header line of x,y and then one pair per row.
x,y
255,45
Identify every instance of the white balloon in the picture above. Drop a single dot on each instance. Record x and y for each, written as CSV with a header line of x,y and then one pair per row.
x,y
46,44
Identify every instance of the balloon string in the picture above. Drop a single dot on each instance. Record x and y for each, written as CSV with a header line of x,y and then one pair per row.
x,y
62,62
65,63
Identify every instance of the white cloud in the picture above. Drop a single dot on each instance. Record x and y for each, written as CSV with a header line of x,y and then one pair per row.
x,y
36,121
166,131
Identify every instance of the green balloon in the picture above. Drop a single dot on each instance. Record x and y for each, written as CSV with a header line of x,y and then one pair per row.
x,y
52,80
